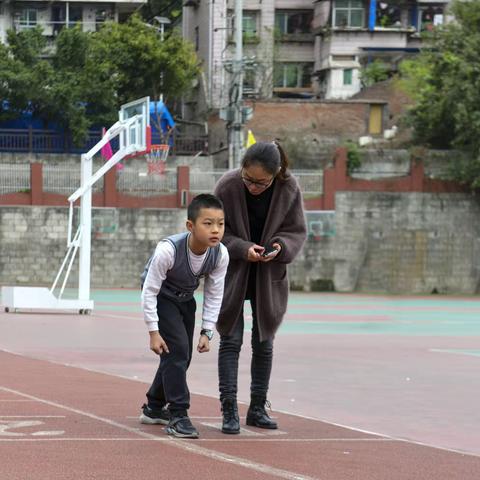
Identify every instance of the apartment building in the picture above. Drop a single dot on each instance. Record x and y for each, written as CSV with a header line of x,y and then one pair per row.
x,y
278,45
302,48
52,16
352,33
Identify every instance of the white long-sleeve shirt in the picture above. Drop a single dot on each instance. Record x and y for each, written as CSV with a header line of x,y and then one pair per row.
x,y
163,260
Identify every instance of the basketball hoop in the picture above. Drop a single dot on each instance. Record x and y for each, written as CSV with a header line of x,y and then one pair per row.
x,y
156,159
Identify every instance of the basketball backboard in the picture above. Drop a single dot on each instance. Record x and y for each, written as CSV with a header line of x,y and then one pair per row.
x,y
137,133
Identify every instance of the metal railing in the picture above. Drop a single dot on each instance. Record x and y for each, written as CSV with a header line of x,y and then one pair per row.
x,y
311,182
50,141
43,141
14,178
132,180
135,181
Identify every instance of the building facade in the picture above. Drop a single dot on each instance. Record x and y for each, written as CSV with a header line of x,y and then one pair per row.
x,y
351,34
52,16
278,47
302,48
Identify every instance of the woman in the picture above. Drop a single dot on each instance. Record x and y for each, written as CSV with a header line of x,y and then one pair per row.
x,y
263,210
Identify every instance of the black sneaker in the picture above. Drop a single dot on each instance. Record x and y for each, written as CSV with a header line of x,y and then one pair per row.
x,y
180,426
154,417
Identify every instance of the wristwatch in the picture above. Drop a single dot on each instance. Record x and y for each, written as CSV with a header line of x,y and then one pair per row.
x,y
207,333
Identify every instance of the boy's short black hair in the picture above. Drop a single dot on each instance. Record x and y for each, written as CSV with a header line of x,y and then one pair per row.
x,y
204,200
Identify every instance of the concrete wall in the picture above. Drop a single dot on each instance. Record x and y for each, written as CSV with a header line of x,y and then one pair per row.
x,y
397,243
383,242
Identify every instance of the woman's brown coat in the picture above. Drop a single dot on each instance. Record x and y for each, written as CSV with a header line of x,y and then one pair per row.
x,y
285,224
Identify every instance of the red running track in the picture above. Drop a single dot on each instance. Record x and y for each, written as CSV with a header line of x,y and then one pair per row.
x,y
60,423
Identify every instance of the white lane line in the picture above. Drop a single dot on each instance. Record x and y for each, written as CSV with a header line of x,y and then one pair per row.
x,y
466,352
299,415
181,444
200,440
33,416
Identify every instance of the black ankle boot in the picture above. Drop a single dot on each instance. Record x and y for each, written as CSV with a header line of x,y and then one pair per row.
x,y
231,422
257,415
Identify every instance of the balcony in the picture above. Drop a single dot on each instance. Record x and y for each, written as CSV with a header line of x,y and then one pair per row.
x,y
51,28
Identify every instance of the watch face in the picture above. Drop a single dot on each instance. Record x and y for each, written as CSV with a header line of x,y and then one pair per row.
x,y
207,333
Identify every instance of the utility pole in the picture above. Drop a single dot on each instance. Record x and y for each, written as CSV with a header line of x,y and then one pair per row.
x,y
236,113
237,126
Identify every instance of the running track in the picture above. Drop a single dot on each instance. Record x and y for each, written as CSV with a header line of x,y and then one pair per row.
x,y
401,367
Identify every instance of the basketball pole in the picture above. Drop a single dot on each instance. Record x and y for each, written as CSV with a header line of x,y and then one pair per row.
x,y
84,193
86,228
133,128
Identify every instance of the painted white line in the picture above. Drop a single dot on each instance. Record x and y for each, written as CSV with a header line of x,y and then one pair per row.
x,y
33,416
181,444
192,417
47,433
243,431
467,352
317,419
200,440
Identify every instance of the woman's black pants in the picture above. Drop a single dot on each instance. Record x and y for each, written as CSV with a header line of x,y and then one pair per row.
x,y
229,353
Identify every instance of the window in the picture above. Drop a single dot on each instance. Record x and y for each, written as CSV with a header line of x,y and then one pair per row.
x,y
249,26
28,18
101,16
249,81
290,22
349,14
75,14
347,76
430,17
388,15
293,75
197,38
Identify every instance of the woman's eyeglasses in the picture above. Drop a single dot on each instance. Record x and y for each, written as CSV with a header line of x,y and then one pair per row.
x,y
262,185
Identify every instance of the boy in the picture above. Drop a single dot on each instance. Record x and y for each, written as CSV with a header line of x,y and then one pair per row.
x,y
173,275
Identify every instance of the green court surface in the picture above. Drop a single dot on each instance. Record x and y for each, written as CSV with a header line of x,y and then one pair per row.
x,y
349,314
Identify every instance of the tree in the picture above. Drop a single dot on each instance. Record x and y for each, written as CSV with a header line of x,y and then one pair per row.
x,y
21,68
444,82
172,9
142,64
89,75
376,71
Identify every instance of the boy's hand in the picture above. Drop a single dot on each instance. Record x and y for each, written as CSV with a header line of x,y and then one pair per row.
x,y
157,343
203,344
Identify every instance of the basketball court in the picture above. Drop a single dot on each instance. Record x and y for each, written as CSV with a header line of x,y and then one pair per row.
x,y
363,387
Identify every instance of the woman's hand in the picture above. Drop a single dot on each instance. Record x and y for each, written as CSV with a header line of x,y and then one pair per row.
x,y
254,253
272,255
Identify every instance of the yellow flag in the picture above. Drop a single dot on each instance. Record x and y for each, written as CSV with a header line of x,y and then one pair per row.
x,y
250,139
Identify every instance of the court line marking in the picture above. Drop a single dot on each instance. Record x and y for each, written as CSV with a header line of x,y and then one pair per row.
x,y
181,444
317,419
33,416
467,352
200,440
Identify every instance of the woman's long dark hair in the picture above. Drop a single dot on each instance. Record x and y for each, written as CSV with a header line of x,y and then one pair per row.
x,y
270,156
